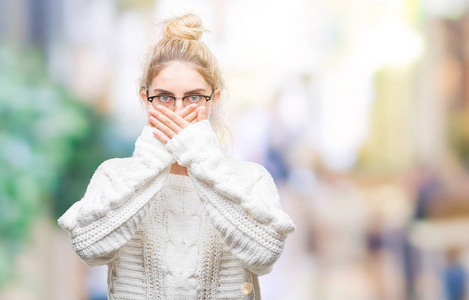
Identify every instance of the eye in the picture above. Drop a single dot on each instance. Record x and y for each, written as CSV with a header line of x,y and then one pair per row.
x,y
163,98
195,98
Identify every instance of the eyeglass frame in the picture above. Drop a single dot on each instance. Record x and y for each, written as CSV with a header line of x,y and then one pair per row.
x,y
207,98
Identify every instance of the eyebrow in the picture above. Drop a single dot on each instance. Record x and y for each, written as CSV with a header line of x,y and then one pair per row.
x,y
186,93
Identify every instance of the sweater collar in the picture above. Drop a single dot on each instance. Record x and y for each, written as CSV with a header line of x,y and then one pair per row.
x,y
179,181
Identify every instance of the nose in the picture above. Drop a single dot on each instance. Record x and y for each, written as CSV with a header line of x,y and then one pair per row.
x,y
178,105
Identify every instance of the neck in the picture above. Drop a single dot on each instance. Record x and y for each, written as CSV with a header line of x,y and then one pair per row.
x,y
178,170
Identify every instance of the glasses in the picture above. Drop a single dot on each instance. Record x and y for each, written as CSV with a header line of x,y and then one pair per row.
x,y
170,101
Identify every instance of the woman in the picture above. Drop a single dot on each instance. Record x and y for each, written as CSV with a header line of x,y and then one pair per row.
x,y
180,219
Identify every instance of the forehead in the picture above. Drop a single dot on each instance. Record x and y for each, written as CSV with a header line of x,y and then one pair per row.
x,y
179,77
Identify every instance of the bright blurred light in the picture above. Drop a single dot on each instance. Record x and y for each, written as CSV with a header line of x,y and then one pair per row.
x,y
347,94
390,43
445,8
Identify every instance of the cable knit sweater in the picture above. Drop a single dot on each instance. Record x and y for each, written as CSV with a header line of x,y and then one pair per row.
x,y
165,236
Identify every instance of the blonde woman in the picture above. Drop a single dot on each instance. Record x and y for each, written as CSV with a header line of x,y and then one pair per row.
x,y
180,219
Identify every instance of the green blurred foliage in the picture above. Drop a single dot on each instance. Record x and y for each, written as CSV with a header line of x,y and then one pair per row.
x,y
50,144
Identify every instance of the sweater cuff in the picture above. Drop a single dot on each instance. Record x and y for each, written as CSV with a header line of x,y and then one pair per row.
x,y
194,144
152,151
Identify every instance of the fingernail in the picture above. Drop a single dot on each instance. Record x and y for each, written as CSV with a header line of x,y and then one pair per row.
x,y
160,106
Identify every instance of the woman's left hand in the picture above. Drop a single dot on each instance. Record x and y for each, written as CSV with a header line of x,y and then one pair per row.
x,y
171,123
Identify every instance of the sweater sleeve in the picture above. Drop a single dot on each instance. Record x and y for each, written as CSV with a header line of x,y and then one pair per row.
x,y
116,200
243,205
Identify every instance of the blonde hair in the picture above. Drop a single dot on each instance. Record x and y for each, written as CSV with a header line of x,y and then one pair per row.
x,y
181,42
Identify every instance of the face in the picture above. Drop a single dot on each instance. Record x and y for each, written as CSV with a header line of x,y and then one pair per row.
x,y
180,79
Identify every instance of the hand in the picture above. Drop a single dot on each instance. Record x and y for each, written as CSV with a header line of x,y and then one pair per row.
x,y
171,123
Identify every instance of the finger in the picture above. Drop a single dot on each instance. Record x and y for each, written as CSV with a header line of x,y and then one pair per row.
x,y
196,119
152,120
168,122
192,116
160,116
151,112
187,110
162,126
161,136
171,119
202,114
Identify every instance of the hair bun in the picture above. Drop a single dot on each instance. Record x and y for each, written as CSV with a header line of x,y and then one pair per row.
x,y
188,26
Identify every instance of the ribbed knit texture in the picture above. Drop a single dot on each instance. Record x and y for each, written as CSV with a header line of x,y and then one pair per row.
x,y
167,236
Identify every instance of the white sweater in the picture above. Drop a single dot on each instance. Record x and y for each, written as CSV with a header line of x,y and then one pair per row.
x,y
165,236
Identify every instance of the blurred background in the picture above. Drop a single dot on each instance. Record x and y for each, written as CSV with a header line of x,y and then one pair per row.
x,y
358,108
